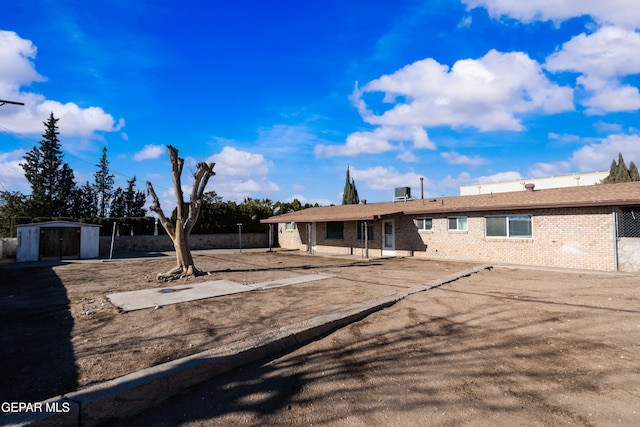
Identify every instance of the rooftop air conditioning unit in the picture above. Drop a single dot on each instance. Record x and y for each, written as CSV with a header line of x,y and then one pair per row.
x,y
403,192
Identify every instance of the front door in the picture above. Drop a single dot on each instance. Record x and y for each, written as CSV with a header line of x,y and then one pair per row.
x,y
388,238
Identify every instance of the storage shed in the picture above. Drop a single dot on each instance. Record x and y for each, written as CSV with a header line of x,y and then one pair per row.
x,y
57,240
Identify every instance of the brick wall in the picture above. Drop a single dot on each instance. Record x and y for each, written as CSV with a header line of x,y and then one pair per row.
x,y
581,238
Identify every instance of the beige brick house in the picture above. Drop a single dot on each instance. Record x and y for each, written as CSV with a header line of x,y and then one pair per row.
x,y
595,227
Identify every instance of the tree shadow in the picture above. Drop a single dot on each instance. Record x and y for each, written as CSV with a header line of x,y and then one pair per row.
x,y
425,362
36,335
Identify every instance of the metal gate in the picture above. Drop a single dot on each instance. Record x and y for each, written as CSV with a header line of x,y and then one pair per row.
x,y
628,238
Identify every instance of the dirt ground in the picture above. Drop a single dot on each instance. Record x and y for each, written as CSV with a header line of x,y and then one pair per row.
x,y
507,346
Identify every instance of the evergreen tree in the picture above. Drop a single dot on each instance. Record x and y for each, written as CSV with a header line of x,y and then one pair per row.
x,y
85,202
618,172
622,174
633,172
350,193
129,202
118,204
52,182
103,184
12,205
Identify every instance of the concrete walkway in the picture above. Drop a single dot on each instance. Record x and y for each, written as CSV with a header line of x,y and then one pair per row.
x,y
130,394
158,297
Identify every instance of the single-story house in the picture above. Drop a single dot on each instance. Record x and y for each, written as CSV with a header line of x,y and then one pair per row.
x,y
595,227
55,240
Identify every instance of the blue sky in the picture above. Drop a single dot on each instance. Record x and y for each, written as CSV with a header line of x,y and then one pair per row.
x,y
284,95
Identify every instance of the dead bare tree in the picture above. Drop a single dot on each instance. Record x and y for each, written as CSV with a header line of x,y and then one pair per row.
x,y
185,219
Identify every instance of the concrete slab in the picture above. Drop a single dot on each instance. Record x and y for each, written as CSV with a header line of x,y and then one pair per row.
x,y
158,297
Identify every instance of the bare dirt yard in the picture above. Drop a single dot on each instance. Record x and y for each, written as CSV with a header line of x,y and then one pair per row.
x,y
508,346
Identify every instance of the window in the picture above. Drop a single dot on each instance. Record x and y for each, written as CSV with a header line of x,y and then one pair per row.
x,y
458,223
335,230
290,226
424,224
361,226
516,226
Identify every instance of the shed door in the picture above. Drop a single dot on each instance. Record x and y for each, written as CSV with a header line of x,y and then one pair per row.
x,y
59,243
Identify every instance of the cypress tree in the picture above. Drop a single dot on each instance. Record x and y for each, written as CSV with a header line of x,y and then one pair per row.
x,y
634,175
103,184
350,193
622,174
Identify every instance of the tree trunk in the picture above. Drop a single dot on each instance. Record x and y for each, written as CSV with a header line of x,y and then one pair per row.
x,y
181,231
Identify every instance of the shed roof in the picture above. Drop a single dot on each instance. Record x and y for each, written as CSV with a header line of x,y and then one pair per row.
x,y
622,194
58,224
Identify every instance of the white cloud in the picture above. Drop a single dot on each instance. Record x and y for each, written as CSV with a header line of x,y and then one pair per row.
x,y
11,173
16,66
386,178
17,70
609,95
620,12
540,170
565,137
407,157
149,151
487,93
231,162
241,174
598,156
377,141
455,158
609,52
602,59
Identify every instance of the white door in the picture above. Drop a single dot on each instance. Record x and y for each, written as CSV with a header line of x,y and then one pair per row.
x,y
388,238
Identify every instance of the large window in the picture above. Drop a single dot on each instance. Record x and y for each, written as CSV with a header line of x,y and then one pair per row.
x,y
361,227
335,230
424,224
516,226
457,223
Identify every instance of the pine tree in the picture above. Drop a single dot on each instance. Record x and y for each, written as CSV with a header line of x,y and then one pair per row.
x,y
52,181
633,172
129,202
85,202
103,184
350,193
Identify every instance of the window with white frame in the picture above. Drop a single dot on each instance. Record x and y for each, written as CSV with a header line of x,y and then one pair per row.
x,y
514,226
290,226
457,223
423,224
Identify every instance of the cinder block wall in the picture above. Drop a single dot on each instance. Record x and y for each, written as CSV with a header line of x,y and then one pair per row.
x,y
133,244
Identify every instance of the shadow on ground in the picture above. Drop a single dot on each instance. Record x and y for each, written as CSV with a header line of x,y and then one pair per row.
x,y
35,320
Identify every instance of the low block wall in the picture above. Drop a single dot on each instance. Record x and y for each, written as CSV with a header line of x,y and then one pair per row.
x,y
8,247
133,244
629,254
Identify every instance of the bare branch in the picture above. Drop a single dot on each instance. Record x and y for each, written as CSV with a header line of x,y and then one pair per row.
x,y
176,171
155,207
